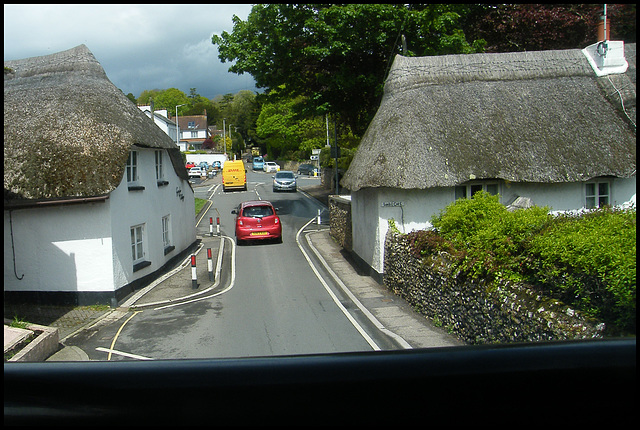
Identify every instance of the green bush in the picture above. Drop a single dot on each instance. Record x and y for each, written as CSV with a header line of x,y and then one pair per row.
x,y
590,261
586,261
490,237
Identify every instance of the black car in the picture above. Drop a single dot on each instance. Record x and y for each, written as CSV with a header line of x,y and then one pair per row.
x,y
306,169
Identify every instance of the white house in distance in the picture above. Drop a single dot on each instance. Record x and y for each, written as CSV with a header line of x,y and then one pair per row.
x,y
193,131
96,197
162,120
546,127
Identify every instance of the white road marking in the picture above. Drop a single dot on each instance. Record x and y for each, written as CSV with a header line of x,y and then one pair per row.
x,y
335,299
124,354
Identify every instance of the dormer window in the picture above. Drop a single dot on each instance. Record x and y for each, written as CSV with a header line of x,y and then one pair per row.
x,y
192,124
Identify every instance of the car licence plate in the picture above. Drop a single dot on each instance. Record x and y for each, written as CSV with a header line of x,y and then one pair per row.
x,y
259,233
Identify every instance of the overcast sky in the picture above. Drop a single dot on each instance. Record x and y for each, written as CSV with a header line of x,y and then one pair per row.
x,y
141,47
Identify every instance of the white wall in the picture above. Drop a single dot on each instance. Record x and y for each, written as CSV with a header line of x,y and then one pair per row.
x,y
131,208
209,158
59,248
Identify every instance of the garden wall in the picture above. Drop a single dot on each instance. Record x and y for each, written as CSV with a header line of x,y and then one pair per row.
x,y
474,311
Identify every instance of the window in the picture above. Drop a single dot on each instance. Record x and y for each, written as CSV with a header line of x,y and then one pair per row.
x,y
192,124
166,234
166,238
137,244
597,194
159,171
194,134
132,166
464,191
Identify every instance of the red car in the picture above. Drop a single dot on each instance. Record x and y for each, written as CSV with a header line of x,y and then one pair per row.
x,y
190,164
257,220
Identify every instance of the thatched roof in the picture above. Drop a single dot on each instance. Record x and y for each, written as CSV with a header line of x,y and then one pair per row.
x,y
522,117
68,129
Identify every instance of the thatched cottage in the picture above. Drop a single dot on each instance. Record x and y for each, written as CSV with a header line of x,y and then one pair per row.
x,y
536,127
96,197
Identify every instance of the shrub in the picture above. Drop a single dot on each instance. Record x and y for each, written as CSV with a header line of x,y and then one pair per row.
x,y
587,261
491,236
590,261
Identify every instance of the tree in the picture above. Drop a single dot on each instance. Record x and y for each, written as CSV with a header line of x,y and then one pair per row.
x,y
536,27
329,55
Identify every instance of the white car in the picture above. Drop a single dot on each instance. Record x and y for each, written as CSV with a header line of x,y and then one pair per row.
x,y
271,166
196,172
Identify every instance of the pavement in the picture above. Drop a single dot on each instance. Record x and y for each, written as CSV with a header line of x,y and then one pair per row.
x,y
390,313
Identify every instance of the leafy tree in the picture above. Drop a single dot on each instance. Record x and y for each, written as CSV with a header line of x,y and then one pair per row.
x,y
535,27
131,97
329,55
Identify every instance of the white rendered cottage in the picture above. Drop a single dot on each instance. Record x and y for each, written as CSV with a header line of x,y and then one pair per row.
x,y
96,197
544,127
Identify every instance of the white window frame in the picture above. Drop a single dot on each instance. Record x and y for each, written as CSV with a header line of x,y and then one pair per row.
x,y
166,230
137,243
132,167
159,165
468,190
595,196
194,134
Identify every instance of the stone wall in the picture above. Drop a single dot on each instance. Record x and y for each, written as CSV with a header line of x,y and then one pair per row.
x,y
340,220
474,311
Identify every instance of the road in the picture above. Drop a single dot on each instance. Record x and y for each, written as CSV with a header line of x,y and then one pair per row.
x,y
276,305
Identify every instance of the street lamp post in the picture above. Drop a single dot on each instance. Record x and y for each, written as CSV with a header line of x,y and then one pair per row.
x,y
231,139
178,126
224,137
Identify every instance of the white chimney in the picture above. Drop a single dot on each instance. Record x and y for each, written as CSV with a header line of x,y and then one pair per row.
x,y
606,56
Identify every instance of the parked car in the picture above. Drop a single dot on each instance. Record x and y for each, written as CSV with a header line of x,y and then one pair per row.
x,y
257,220
258,163
306,169
217,165
270,166
284,180
190,164
204,166
196,172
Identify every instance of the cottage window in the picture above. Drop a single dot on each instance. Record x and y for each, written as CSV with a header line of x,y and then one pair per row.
x,y
166,233
192,124
132,166
464,191
597,194
137,243
159,169
194,134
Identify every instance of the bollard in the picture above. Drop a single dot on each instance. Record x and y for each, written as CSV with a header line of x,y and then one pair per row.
x,y
194,276
211,226
210,264
218,225
318,216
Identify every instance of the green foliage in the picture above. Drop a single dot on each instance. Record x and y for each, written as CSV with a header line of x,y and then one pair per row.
x,y
329,53
586,261
590,260
491,236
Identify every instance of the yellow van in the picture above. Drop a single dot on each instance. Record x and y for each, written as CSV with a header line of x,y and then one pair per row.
x,y
234,175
